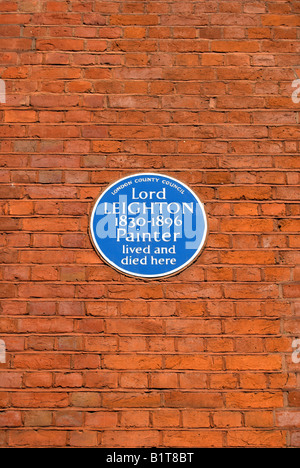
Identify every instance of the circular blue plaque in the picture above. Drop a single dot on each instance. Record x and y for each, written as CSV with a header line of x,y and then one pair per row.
x,y
148,225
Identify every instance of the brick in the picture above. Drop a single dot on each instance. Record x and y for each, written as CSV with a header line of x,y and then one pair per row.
x,y
193,291
258,362
40,400
195,418
137,20
248,257
250,326
166,418
193,400
254,400
196,362
103,419
295,439
259,419
85,399
95,378
135,418
95,90
288,418
258,439
133,380
20,116
184,344
101,344
255,193
192,380
46,361
132,362
39,418
294,398
11,379
131,400
46,438
164,380
123,438
250,291
193,438
291,290
180,326
69,380
15,43
45,290
141,291
60,44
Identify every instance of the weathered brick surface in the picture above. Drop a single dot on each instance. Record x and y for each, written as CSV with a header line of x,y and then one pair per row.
x,y
200,90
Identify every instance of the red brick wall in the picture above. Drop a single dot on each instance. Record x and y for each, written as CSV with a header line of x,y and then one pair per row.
x,y
200,90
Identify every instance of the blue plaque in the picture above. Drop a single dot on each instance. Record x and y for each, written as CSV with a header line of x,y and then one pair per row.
x,y
148,225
